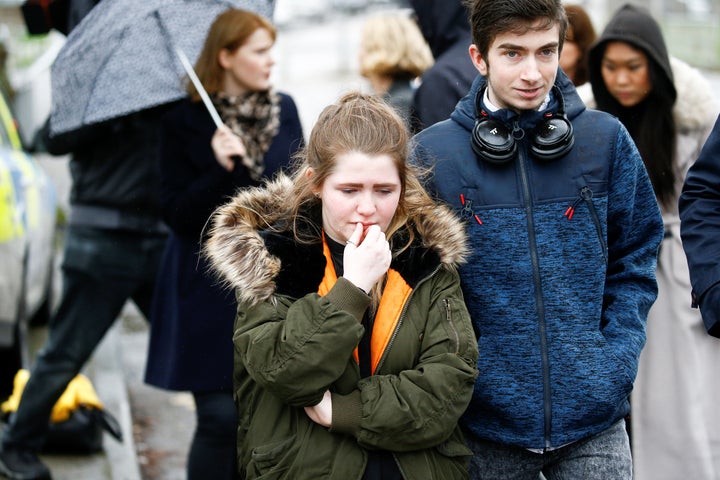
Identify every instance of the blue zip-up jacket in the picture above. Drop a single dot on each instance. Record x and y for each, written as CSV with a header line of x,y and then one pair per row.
x,y
562,273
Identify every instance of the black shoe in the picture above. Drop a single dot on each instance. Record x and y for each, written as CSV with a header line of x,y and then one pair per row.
x,y
22,464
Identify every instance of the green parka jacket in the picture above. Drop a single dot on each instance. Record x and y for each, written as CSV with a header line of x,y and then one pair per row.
x,y
292,344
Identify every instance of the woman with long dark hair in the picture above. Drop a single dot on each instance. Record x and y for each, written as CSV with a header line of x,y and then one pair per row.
x,y
669,109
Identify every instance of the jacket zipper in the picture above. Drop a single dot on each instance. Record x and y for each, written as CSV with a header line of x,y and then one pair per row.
x,y
542,327
467,210
402,317
397,328
451,324
586,196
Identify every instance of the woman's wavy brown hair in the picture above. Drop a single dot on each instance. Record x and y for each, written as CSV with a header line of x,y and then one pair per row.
x,y
581,32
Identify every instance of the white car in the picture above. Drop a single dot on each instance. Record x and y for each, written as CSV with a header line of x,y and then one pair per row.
x,y
28,209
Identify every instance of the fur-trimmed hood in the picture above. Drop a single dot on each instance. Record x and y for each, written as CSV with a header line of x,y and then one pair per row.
x,y
247,256
696,106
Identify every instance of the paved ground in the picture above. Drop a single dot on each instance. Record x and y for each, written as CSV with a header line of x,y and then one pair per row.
x,y
157,425
118,460
163,422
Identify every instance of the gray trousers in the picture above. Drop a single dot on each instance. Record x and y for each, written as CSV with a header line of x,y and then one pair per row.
x,y
605,456
102,269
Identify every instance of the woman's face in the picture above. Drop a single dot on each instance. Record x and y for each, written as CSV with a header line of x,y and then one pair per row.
x,y
625,73
247,69
361,189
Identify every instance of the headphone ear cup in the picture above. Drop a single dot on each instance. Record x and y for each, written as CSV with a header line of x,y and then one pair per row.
x,y
492,141
552,139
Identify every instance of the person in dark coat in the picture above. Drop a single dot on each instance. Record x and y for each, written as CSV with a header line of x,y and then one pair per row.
x,y
201,167
700,230
112,249
446,29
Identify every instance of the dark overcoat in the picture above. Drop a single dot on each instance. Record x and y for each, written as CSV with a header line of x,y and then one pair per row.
x,y
192,317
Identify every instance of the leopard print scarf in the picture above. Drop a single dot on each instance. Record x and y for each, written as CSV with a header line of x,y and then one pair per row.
x,y
255,118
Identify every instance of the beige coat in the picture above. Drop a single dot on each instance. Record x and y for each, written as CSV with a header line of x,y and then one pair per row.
x,y
675,418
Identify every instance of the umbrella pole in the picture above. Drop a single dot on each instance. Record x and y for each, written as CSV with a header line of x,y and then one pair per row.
x,y
191,73
199,87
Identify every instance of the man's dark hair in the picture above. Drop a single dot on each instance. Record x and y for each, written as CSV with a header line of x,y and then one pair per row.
x,y
490,18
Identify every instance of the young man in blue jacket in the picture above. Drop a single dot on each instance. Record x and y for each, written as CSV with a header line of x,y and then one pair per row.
x,y
564,228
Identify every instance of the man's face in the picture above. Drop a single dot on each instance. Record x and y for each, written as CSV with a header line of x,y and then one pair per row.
x,y
520,68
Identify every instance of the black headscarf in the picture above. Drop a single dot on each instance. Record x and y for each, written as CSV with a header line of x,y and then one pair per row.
x,y
634,25
651,122
442,22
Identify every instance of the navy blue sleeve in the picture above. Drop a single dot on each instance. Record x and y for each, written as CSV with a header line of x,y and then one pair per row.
x,y
192,183
700,229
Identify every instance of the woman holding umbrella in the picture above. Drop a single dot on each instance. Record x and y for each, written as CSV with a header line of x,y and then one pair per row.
x,y
201,166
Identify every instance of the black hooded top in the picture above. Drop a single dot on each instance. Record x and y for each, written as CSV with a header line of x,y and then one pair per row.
x,y
445,26
634,25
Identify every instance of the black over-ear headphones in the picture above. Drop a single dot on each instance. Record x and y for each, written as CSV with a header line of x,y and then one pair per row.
x,y
493,142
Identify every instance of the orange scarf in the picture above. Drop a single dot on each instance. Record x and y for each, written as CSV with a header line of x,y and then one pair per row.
x,y
394,297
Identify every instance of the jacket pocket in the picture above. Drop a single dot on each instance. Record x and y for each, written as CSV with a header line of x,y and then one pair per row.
x,y
586,196
450,460
458,328
454,448
272,461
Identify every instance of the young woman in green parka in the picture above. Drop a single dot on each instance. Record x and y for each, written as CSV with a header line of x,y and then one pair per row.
x,y
354,352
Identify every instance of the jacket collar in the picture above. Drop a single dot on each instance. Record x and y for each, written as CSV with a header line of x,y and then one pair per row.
x,y
464,112
258,261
